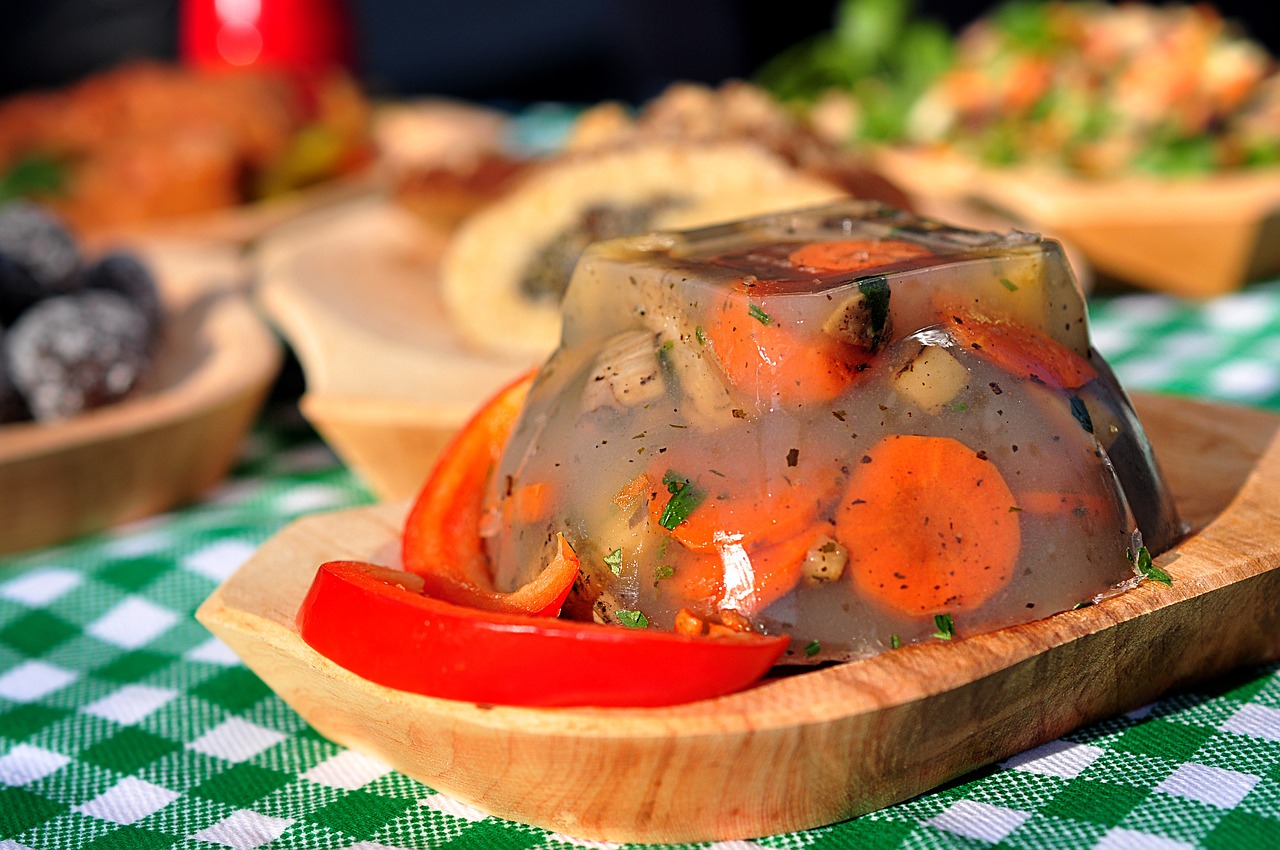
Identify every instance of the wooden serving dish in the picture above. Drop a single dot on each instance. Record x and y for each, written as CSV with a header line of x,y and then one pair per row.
x,y
1197,237
176,437
812,748
388,378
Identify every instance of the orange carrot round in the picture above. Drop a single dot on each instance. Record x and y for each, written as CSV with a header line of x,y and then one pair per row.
x,y
739,579
1022,351
724,517
929,526
764,357
851,255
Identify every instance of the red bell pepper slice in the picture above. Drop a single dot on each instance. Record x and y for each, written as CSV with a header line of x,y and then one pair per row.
x,y
376,623
441,540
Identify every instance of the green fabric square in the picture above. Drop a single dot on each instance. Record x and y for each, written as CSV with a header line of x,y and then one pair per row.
x,y
864,834
359,814
241,785
501,835
21,810
131,838
234,689
1241,830
37,633
133,666
1163,739
24,721
128,750
133,574
1106,803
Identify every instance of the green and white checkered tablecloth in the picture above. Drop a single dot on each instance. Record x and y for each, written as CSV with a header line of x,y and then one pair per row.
x,y
124,724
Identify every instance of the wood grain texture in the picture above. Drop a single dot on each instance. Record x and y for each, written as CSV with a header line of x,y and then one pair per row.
x,y
810,748
176,437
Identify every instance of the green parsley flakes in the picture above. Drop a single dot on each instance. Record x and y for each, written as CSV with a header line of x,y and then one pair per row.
x,y
614,561
812,648
632,619
1142,562
1008,284
759,315
944,629
685,497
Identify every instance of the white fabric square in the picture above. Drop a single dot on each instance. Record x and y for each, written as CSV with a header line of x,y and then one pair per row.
x,y
1256,721
25,764
132,623
131,703
213,651
128,801
450,806
1240,312
31,680
1056,758
301,500
348,769
218,561
236,740
40,587
979,821
138,538
1206,784
1129,839
1246,379
244,830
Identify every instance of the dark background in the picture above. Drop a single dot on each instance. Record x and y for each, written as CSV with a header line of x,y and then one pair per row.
x,y
515,51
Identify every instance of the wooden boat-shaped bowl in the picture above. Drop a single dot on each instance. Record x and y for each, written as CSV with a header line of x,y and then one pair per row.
x,y
389,380
172,440
1194,237
812,748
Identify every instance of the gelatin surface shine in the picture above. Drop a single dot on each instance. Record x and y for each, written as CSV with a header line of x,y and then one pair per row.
x,y
848,424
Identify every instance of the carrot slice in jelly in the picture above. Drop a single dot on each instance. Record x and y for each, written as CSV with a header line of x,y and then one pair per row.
x,y
929,526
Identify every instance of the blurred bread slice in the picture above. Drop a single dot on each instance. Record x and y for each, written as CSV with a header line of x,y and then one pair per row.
x,y
505,269
693,156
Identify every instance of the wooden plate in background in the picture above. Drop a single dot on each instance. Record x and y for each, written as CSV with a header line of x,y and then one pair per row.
x,y
175,438
812,748
1194,237
388,380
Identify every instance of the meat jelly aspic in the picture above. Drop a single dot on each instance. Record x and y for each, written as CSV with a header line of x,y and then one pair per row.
x,y
848,424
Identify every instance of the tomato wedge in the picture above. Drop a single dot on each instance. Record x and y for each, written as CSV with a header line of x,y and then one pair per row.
x,y
441,539
375,623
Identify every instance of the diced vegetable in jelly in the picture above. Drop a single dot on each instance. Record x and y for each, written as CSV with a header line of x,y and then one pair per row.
x,y
846,424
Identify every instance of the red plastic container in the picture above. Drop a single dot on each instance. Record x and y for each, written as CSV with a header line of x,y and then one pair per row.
x,y
299,36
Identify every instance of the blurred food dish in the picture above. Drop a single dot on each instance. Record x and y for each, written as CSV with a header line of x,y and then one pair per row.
x,y
149,142
1148,135
690,157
